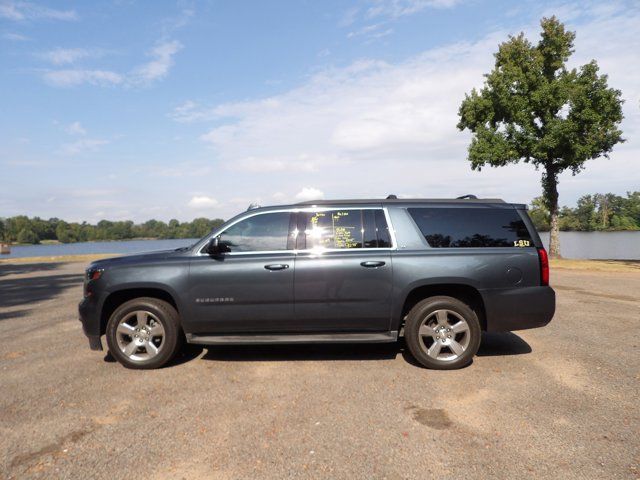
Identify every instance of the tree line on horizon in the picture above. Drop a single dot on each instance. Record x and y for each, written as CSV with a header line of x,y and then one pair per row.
x,y
22,229
596,212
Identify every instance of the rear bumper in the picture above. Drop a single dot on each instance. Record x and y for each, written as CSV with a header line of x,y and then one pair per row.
x,y
518,308
89,315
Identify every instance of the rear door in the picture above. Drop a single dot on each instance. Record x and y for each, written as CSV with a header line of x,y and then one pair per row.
x,y
343,276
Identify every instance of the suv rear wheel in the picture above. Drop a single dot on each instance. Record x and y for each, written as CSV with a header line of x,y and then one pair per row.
x,y
144,333
442,333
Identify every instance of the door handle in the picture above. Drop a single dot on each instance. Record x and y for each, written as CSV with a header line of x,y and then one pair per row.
x,y
276,266
372,264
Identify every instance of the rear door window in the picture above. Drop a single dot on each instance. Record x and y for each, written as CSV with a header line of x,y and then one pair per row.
x,y
471,227
346,229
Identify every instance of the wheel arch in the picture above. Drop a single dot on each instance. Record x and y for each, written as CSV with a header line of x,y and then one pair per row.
x,y
118,297
464,292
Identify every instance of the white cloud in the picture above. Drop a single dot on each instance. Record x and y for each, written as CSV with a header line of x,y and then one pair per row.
x,y
156,69
82,146
202,201
371,32
301,163
63,56
75,128
15,37
377,16
349,17
182,169
162,61
74,77
375,128
401,8
191,111
309,193
364,30
20,10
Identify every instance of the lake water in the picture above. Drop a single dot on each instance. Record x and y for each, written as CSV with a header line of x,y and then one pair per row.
x,y
603,245
82,248
598,245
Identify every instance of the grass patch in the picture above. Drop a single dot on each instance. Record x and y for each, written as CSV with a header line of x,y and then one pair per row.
x,y
58,258
597,265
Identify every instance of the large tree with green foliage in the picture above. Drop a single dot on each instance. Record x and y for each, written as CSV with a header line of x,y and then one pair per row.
x,y
532,108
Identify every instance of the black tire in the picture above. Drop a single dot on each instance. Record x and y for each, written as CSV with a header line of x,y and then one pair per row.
x,y
425,310
165,314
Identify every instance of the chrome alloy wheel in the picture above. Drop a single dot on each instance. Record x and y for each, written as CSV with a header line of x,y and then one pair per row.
x,y
444,335
140,335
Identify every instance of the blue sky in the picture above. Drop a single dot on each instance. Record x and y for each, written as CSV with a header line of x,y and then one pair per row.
x,y
137,110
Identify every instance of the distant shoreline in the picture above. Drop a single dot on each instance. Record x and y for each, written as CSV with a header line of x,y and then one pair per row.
x,y
57,242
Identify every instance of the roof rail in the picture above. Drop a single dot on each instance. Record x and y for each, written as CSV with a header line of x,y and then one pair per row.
x,y
467,197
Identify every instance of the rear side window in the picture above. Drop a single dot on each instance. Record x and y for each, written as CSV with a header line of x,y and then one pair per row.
x,y
347,229
471,227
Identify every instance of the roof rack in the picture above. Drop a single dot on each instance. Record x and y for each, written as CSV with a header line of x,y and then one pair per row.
x,y
365,201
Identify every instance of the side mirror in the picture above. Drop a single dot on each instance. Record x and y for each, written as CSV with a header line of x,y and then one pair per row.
x,y
215,247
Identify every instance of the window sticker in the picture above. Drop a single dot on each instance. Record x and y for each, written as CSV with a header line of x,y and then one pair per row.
x,y
336,229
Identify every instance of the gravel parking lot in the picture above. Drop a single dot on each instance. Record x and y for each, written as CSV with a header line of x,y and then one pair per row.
x,y
558,402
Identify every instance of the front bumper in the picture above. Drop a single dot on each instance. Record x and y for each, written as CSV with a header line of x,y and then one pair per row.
x,y
89,315
94,342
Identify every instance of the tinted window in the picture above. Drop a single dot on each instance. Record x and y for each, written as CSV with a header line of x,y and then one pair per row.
x,y
471,227
382,230
347,229
268,231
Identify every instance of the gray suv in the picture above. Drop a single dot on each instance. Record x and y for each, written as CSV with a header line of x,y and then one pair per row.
x,y
437,272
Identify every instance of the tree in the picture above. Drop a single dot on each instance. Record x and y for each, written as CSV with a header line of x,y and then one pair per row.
x,y
539,214
64,234
26,235
533,109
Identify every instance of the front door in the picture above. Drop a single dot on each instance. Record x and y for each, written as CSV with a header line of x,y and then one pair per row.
x,y
344,274
249,288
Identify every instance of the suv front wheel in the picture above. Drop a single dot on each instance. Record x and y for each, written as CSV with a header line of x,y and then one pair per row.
x,y
144,333
442,333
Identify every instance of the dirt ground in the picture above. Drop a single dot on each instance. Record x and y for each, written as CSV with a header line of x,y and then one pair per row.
x,y
557,402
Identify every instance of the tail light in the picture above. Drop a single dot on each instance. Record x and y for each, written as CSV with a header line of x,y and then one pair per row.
x,y
544,266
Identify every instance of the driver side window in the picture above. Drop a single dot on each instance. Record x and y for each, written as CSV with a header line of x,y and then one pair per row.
x,y
262,232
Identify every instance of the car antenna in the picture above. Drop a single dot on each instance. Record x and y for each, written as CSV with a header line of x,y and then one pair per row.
x,y
252,206
392,197
467,197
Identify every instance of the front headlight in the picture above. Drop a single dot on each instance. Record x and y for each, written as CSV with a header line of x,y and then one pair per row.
x,y
94,273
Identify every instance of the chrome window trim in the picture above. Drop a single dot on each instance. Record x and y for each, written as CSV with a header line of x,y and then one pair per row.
x,y
392,233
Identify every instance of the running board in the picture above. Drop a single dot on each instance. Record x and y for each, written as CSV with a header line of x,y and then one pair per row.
x,y
383,337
